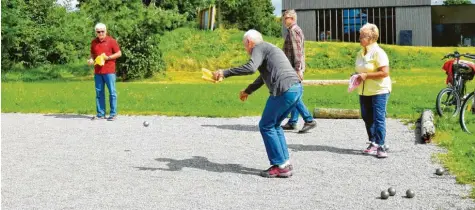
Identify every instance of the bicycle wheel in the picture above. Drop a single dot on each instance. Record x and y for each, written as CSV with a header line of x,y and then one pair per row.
x,y
467,114
448,102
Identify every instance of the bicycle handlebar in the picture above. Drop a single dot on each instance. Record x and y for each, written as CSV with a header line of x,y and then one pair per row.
x,y
458,55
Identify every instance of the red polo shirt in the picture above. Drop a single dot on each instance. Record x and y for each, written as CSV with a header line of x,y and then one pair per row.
x,y
108,46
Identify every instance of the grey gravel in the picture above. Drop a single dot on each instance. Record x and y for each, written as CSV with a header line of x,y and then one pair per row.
x,y
70,162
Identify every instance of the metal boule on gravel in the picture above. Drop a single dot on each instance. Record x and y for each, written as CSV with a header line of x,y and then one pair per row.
x,y
392,191
146,124
384,194
439,171
386,147
410,193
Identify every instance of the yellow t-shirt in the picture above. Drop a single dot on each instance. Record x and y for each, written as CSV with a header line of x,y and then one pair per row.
x,y
374,59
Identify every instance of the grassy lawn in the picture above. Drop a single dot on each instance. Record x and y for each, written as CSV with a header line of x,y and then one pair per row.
x,y
184,93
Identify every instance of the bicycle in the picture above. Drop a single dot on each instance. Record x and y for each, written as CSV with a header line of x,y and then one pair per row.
x,y
450,99
467,114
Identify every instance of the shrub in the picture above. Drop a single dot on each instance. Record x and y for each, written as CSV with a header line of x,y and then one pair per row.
x,y
137,28
41,32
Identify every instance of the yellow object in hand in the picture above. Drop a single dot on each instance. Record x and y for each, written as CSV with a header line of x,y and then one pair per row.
x,y
100,60
208,76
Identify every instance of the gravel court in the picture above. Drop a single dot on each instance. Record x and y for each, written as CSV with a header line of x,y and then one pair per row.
x,y
70,162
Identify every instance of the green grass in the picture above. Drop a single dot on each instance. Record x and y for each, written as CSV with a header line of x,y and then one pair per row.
x,y
189,50
413,91
70,72
460,158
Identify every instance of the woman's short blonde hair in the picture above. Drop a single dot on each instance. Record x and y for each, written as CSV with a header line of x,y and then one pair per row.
x,y
371,31
290,13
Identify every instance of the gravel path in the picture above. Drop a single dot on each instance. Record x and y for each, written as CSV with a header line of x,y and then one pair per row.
x,y
70,162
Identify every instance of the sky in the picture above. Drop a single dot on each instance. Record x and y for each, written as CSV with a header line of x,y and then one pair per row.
x,y
278,7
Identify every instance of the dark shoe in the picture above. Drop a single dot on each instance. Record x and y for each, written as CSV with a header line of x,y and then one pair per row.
x,y
112,118
98,118
275,171
289,127
308,126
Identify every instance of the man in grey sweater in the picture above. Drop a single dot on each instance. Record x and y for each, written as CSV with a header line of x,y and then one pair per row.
x,y
276,72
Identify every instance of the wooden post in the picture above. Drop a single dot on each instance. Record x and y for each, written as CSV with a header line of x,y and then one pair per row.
x,y
325,82
329,113
427,125
328,82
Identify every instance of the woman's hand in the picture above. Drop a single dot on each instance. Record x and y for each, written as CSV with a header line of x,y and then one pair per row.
x,y
363,76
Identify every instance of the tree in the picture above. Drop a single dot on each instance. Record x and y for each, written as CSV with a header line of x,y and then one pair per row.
x,y
243,14
457,2
253,14
137,28
40,32
186,7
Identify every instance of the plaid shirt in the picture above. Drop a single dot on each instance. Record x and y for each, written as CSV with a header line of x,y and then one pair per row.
x,y
294,47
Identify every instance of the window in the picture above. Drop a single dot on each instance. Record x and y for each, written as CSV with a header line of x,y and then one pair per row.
x,y
344,24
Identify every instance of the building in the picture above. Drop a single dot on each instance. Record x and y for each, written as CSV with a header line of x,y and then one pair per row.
x,y
401,22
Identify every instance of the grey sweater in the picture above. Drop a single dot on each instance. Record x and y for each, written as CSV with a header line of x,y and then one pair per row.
x,y
274,68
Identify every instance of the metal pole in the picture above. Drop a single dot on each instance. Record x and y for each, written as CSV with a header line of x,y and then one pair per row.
x,y
386,23
349,35
324,26
354,25
361,18
379,9
336,22
392,25
367,14
373,16
342,25
318,25
330,23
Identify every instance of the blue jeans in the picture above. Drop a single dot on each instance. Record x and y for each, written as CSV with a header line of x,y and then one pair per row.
x,y
373,112
276,110
100,80
299,109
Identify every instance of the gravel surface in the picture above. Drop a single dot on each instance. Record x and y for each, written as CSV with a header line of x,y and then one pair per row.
x,y
71,162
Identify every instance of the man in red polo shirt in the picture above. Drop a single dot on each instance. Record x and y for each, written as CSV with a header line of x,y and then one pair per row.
x,y
105,74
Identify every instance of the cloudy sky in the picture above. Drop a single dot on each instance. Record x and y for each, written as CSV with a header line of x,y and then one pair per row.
x,y
278,7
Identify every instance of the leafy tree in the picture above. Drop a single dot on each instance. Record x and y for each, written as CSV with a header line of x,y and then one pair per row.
x,y
137,29
187,7
243,14
40,32
18,36
253,14
457,2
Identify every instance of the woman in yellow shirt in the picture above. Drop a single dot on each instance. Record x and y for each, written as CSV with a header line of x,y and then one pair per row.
x,y
372,66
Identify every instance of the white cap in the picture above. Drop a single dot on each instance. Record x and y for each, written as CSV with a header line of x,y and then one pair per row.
x,y
100,26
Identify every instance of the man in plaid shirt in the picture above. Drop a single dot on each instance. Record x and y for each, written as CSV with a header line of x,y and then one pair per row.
x,y
294,50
